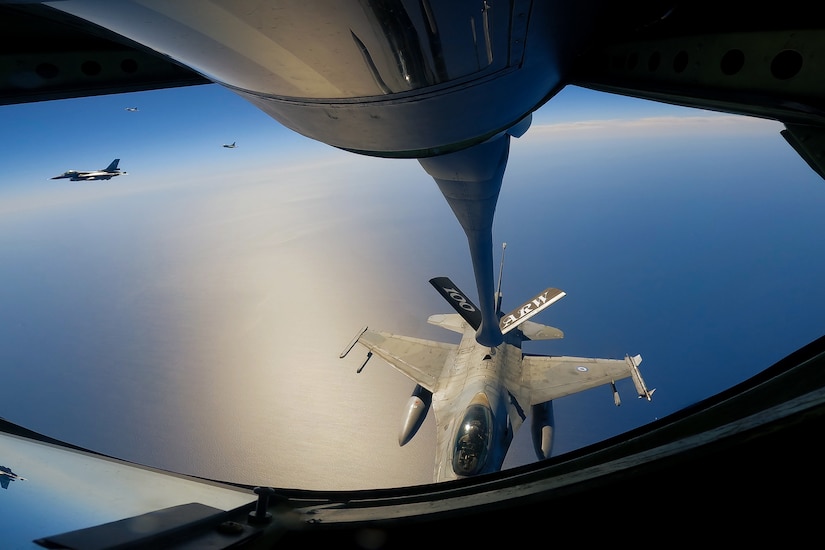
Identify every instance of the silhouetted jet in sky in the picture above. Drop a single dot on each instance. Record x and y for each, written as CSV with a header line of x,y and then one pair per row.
x,y
105,174
7,476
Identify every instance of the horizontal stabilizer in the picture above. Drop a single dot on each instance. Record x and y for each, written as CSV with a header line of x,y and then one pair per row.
x,y
460,302
536,331
450,321
530,308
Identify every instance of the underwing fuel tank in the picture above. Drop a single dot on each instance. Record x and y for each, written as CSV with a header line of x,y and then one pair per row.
x,y
417,407
542,428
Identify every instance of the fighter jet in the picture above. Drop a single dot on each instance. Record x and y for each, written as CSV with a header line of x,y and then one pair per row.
x,y
230,145
430,78
132,109
7,476
481,395
105,174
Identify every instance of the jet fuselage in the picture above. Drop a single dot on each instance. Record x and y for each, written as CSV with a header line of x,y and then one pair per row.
x,y
473,379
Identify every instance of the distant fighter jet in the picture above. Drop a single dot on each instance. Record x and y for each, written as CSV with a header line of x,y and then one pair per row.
x,y
481,395
106,174
230,145
7,476
132,109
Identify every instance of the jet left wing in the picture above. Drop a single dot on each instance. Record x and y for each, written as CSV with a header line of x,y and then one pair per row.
x,y
421,360
549,377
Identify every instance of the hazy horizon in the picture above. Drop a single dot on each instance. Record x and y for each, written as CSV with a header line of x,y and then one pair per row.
x,y
189,315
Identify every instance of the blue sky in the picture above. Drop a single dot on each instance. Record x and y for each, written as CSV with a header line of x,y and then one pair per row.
x,y
175,128
213,288
171,131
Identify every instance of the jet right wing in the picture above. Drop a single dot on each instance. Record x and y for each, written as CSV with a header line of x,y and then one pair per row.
x,y
420,360
551,377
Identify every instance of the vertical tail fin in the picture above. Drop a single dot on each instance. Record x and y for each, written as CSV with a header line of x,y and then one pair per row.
x,y
460,302
112,166
541,301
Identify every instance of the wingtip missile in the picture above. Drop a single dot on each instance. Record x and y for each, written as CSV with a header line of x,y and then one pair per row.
x,y
636,376
353,342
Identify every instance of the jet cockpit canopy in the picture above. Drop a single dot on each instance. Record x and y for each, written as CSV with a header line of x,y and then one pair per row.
x,y
473,439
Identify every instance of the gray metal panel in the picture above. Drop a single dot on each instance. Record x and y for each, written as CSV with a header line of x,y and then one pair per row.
x,y
421,360
553,377
49,55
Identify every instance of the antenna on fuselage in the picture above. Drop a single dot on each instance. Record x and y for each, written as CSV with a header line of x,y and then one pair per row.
x,y
500,272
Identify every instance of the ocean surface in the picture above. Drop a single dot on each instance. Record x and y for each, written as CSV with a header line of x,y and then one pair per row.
x,y
193,323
